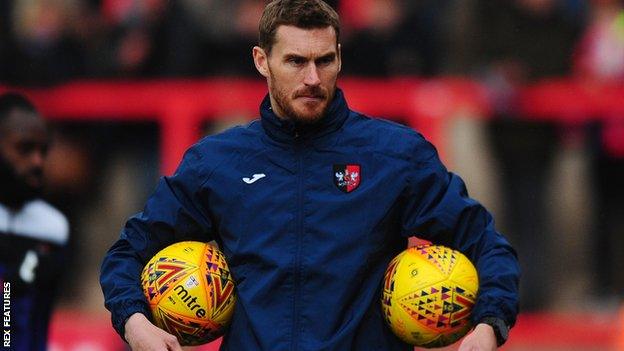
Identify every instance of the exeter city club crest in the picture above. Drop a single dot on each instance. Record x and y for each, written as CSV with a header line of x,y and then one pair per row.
x,y
347,177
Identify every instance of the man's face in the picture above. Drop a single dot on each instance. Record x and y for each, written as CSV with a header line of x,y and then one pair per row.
x,y
301,71
23,148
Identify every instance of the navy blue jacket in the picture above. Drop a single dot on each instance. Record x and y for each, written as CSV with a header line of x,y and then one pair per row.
x,y
308,242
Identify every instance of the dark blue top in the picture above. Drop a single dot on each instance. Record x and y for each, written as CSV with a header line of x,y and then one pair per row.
x,y
309,242
33,250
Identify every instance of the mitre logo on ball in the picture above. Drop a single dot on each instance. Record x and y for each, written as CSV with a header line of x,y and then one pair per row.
x,y
190,291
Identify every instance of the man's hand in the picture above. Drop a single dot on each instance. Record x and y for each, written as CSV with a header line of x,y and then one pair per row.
x,y
142,335
482,338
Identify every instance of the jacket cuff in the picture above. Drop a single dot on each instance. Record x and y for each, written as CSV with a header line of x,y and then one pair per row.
x,y
500,327
492,311
120,318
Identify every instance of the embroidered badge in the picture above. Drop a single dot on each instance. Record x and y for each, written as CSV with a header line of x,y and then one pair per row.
x,y
347,177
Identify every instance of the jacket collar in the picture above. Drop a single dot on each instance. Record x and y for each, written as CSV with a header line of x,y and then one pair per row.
x,y
285,130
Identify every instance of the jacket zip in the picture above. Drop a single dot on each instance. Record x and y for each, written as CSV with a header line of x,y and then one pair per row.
x,y
299,234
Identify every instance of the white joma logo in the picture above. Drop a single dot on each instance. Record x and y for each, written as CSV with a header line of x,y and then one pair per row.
x,y
254,178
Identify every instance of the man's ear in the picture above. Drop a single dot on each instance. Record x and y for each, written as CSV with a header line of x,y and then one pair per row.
x,y
339,57
261,60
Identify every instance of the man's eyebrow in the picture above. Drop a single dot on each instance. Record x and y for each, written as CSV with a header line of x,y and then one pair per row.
x,y
329,55
294,56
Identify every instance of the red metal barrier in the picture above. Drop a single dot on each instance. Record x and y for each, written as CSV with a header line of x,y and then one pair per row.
x,y
572,101
180,106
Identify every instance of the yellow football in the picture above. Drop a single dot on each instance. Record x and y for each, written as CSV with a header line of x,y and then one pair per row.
x,y
428,294
190,291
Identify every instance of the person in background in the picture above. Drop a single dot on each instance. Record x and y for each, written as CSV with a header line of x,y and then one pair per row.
x,y
33,234
43,41
397,37
520,42
599,61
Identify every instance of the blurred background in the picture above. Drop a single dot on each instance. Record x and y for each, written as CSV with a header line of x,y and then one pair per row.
x,y
523,98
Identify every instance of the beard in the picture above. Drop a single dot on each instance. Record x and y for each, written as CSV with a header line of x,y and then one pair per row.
x,y
286,102
14,190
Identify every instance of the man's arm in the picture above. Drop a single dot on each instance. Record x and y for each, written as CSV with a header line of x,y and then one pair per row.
x,y
440,210
173,213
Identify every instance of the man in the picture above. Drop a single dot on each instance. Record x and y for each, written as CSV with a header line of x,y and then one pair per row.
x,y
307,244
33,234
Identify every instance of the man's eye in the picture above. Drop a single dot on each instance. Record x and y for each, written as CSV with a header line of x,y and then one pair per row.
x,y
325,61
296,61
28,148
25,148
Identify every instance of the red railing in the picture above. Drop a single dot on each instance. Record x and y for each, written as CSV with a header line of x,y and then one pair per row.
x,y
179,106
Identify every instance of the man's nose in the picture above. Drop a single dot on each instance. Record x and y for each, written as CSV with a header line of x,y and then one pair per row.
x,y
37,158
311,75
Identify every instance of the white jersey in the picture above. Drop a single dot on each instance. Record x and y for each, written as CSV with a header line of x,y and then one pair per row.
x,y
32,258
36,220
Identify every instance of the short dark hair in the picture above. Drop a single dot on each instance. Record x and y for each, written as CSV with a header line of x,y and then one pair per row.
x,y
307,14
11,101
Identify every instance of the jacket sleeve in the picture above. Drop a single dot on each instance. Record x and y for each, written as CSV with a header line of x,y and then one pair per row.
x,y
171,214
439,210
